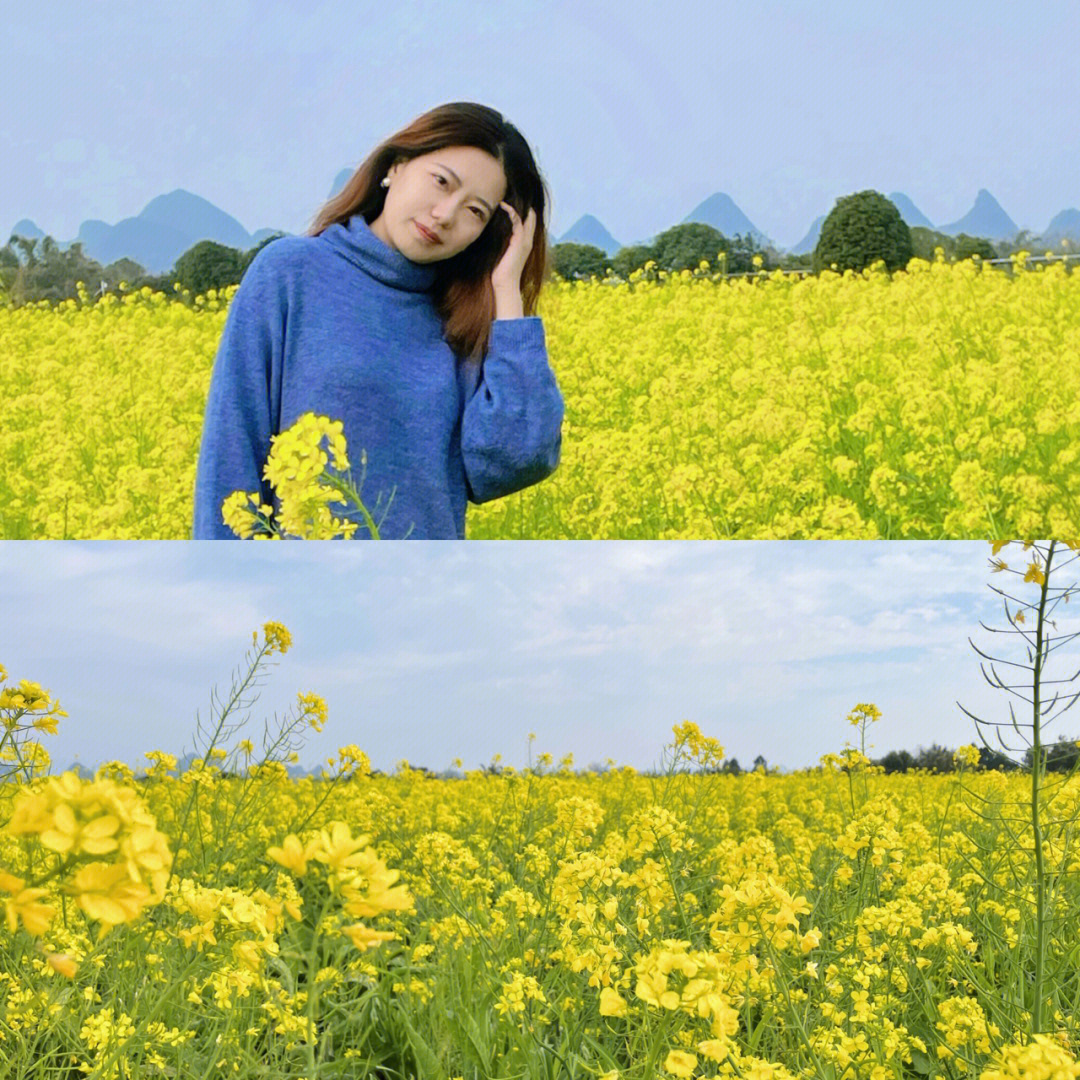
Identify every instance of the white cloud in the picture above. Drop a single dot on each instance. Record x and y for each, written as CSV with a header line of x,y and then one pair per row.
x,y
578,640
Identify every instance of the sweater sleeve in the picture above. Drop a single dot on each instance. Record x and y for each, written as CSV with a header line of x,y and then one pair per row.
x,y
511,429
243,401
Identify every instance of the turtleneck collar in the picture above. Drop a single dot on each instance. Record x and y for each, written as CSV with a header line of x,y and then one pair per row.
x,y
362,247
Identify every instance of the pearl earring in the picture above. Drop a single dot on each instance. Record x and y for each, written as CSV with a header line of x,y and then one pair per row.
x,y
386,181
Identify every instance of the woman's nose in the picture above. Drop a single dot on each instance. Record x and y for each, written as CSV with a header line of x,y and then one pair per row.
x,y
443,213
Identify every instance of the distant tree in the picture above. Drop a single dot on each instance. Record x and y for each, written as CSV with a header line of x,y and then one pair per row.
x,y
26,244
995,759
208,265
761,763
896,761
628,259
683,247
966,246
740,253
162,283
938,759
123,270
731,767
797,262
1060,756
923,242
9,267
859,230
572,261
38,270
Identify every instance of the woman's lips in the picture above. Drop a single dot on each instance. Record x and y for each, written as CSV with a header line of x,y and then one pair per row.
x,y
430,237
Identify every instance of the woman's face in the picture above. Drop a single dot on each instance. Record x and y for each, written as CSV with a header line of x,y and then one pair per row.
x,y
453,193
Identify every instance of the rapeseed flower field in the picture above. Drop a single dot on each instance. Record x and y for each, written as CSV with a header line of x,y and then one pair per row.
x,y
938,402
234,921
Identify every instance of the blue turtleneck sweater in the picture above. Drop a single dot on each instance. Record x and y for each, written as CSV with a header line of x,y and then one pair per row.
x,y
342,325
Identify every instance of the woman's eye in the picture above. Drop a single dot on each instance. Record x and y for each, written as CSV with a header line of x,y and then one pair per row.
x,y
476,210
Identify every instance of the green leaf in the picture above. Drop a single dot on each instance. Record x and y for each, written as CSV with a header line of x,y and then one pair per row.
x,y
921,1063
473,1038
427,1064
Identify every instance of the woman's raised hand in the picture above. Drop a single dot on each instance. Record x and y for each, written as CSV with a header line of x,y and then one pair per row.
x,y
508,273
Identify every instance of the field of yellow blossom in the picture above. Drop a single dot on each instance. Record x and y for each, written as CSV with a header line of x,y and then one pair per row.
x,y
941,402
232,921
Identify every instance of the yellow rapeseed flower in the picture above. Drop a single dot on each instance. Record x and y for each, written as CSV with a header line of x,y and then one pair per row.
x,y
292,854
680,1063
364,937
1039,1059
25,906
108,895
63,964
313,709
278,639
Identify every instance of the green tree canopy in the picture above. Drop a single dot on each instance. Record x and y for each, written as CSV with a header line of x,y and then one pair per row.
x,y
938,759
896,761
629,259
38,270
966,246
685,246
861,229
923,242
208,265
578,260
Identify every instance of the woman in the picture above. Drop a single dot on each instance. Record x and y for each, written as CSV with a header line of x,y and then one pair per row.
x,y
408,313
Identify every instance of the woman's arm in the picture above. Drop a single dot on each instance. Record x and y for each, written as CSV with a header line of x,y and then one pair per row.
x,y
242,405
511,430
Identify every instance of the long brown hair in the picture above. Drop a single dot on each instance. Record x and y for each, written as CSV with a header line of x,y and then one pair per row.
x,y
462,291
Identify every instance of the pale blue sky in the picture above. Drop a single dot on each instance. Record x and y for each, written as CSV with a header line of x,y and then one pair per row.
x,y
432,651
636,111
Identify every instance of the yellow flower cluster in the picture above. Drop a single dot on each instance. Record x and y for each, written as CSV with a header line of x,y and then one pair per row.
x,y
677,978
25,709
517,992
313,709
297,471
355,874
692,746
249,922
965,1027
967,756
840,406
851,406
84,820
1042,1058
276,637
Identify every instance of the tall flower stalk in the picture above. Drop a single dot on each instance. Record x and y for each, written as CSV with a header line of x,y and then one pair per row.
x,y
1050,836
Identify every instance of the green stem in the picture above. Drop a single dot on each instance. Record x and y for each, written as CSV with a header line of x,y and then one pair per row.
x,y
346,487
313,987
234,699
1036,776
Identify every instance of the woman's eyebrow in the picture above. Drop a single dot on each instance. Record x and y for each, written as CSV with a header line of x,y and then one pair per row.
x,y
458,179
